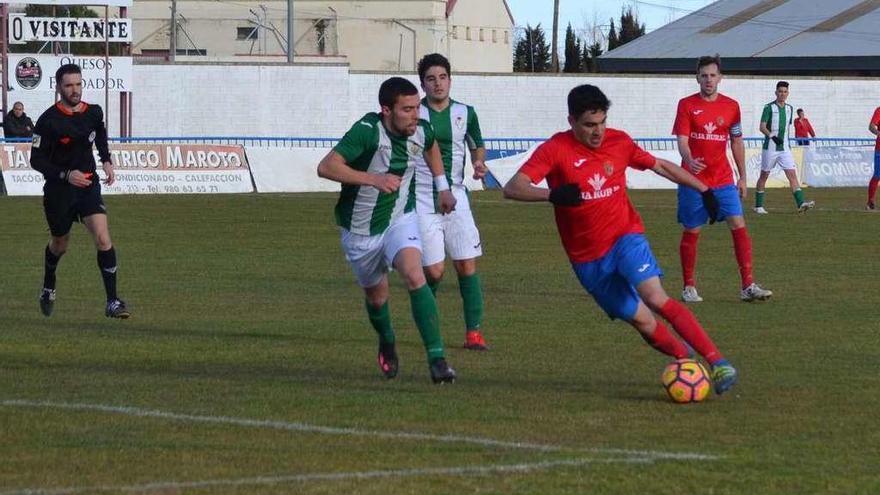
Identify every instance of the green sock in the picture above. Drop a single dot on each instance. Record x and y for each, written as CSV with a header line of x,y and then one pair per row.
x,y
434,285
472,297
759,199
424,309
380,318
798,197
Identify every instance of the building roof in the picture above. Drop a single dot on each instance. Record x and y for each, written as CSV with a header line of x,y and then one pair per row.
x,y
450,6
839,35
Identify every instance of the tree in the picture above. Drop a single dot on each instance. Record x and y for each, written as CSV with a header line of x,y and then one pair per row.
x,y
531,53
613,40
591,52
630,28
572,51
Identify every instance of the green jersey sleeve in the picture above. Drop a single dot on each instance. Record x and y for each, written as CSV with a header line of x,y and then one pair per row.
x,y
473,135
360,139
767,115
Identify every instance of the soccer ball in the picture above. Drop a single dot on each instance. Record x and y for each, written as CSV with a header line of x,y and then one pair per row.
x,y
686,380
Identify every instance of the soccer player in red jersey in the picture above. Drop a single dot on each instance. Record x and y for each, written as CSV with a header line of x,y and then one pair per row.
x,y
703,125
874,127
603,234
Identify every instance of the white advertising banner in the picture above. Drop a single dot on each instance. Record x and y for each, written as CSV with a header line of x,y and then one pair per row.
x,y
22,29
146,169
32,72
109,3
838,167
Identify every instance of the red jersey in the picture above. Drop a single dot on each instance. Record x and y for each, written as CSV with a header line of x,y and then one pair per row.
x,y
875,120
803,129
708,125
589,230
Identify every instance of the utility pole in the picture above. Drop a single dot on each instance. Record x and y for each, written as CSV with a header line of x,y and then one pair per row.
x,y
173,45
290,31
554,58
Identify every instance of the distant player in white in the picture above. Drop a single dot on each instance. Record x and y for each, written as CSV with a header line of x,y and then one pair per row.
x,y
456,127
775,125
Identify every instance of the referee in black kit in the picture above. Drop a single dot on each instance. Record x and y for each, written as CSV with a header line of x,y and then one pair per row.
x,y
62,152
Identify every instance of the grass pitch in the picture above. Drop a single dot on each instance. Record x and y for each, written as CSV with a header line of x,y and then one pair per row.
x,y
249,366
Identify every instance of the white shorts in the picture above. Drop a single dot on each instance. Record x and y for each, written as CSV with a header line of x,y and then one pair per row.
x,y
372,256
771,158
455,232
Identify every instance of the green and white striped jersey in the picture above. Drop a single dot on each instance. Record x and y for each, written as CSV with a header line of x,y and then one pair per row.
x,y
778,120
455,128
369,147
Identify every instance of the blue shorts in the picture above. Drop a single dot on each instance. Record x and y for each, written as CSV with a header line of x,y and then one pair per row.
x,y
612,279
691,212
877,164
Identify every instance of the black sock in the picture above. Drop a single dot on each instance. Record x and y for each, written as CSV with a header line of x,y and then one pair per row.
x,y
50,264
107,264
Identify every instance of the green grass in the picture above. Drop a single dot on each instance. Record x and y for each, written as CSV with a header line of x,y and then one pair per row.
x,y
245,308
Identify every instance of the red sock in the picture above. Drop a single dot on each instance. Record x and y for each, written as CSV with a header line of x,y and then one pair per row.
x,y
688,251
684,322
663,340
872,189
742,246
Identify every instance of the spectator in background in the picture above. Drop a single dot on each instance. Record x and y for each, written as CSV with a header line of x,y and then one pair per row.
x,y
17,124
803,131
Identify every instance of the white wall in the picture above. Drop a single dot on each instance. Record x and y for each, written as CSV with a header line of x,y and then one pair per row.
x,y
322,101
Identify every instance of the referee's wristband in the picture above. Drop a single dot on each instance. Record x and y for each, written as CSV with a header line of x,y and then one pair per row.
x,y
441,183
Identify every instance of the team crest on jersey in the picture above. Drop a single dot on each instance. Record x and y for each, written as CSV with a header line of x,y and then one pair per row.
x,y
92,137
35,141
459,122
415,148
609,168
720,120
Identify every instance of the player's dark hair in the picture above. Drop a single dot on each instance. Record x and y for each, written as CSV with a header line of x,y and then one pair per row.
x,y
800,110
709,60
433,60
64,70
394,87
782,84
586,98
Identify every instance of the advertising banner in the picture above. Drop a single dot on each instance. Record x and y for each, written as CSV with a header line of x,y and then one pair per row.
x,y
146,169
838,167
22,29
32,72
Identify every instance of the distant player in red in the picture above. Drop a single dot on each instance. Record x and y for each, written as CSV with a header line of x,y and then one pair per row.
x,y
703,125
602,232
803,130
874,127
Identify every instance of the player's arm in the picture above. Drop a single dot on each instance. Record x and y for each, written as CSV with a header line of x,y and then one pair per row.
x,y
103,147
738,147
520,188
684,149
42,149
334,167
478,160
874,129
435,163
810,129
474,138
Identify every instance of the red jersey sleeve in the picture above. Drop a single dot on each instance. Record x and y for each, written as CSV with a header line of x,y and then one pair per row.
x,y
682,125
541,163
640,159
736,124
875,120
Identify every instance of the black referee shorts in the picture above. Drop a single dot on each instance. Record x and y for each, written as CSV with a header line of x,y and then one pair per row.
x,y
64,204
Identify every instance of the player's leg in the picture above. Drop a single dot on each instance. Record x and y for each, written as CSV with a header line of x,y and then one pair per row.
x,y
872,184
786,162
366,257
464,246
730,208
433,252
96,223
691,215
768,161
403,250
59,215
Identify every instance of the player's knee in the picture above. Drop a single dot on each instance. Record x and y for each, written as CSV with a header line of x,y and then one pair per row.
x,y
434,272
58,245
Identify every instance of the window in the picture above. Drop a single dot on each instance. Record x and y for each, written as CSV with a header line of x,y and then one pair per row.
x,y
506,38
494,36
247,33
455,32
467,33
481,34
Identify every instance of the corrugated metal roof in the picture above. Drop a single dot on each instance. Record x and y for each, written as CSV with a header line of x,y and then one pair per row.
x,y
765,28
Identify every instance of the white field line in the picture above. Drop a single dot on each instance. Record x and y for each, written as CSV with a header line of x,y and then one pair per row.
x,y
301,478
329,430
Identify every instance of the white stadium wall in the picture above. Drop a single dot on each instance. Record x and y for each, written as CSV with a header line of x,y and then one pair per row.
x,y
322,101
